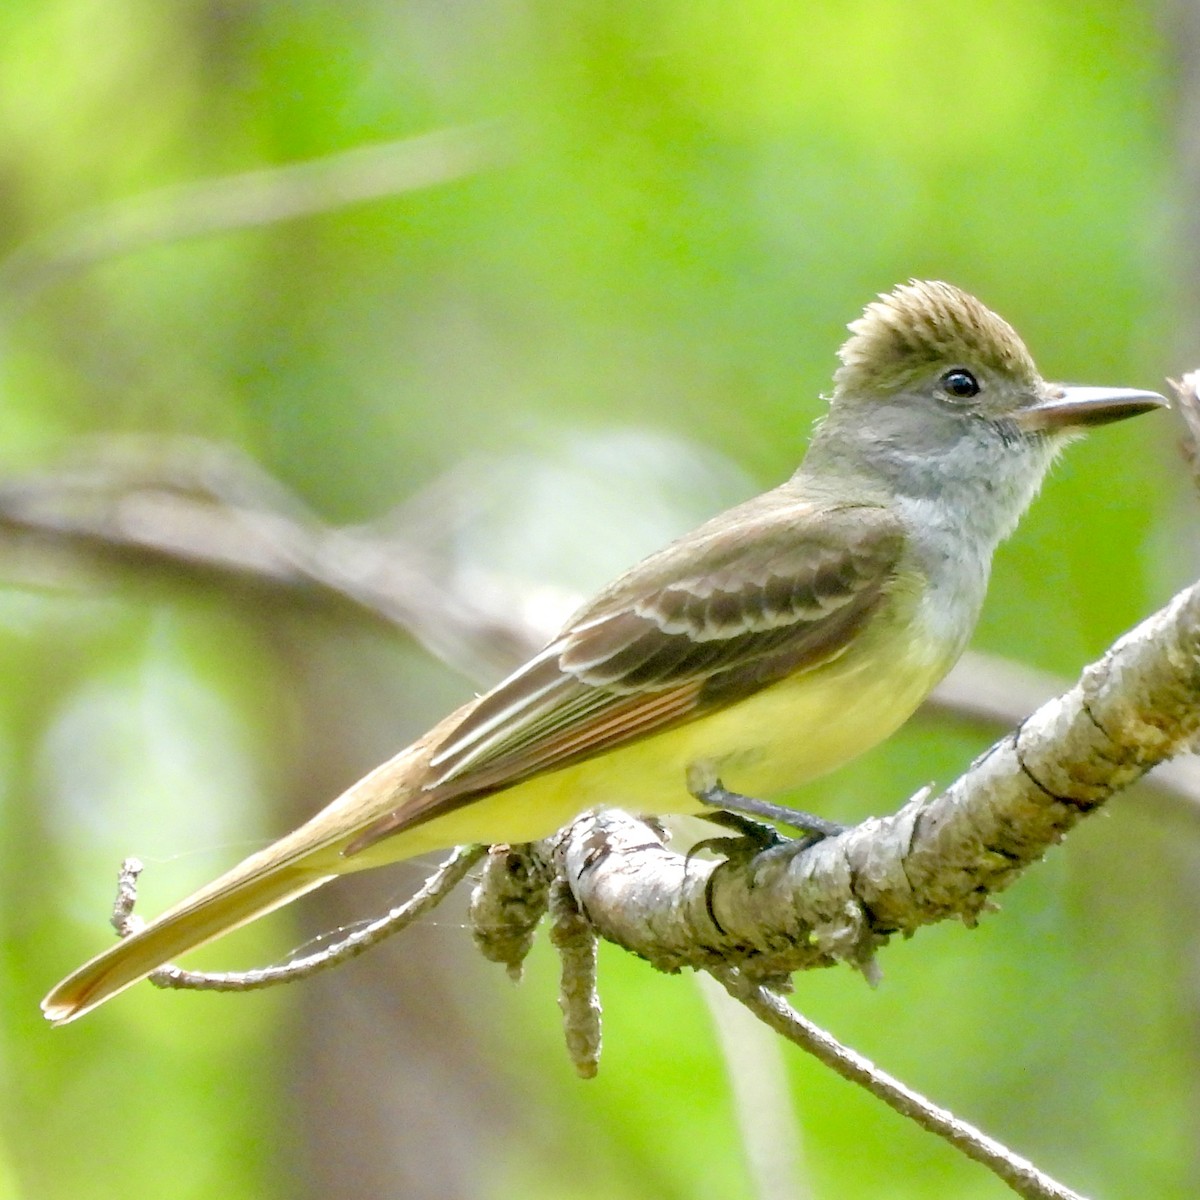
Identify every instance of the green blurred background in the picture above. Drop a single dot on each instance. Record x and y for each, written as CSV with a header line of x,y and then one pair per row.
x,y
624,324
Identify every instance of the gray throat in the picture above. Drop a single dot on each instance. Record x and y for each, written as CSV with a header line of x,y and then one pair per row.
x,y
959,492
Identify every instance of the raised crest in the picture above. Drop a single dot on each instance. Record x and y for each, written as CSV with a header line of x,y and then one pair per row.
x,y
923,323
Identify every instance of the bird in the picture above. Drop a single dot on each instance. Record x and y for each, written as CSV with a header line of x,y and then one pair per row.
x,y
770,645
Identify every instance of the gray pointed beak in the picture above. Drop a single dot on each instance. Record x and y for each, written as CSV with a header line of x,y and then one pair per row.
x,y
1062,408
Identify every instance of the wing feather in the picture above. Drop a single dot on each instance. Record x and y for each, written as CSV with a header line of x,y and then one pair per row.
x,y
771,588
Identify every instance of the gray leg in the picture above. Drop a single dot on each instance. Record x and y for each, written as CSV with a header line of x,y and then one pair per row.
x,y
816,828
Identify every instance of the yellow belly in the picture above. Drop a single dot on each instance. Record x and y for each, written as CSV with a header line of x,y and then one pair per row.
x,y
783,736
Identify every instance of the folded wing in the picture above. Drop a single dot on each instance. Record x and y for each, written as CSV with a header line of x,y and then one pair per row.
x,y
739,605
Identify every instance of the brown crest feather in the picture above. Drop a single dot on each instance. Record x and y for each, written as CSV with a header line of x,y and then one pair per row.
x,y
927,323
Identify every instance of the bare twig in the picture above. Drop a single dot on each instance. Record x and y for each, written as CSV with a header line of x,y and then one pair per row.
x,y
1020,1174
245,201
434,890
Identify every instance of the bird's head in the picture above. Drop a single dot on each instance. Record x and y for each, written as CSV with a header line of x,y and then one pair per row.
x,y
938,404
931,349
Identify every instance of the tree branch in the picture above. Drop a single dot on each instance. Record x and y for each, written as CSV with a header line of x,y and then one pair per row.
x,y
750,923
1019,1173
791,908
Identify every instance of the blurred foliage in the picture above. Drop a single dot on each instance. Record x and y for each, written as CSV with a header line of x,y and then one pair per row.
x,y
650,290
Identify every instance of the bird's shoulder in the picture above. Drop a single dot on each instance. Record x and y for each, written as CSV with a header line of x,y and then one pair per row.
x,y
781,558
778,584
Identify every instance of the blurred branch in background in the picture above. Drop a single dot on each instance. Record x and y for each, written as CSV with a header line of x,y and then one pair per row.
x,y
771,1135
189,509
245,201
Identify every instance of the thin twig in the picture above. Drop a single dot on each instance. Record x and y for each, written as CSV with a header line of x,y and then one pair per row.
x,y
1020,1174
763,1102
123,919
248,200
434,890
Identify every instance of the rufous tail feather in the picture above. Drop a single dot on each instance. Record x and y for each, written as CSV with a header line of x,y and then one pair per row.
x,y
208,914
306,858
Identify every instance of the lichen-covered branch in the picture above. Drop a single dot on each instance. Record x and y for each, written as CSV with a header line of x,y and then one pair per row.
x,y
751,922
578,996
944,855
507,905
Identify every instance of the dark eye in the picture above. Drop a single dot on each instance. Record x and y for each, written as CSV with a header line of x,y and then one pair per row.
x,y
960,384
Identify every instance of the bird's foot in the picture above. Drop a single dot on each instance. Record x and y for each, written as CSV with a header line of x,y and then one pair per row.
x,y
741,813
753,836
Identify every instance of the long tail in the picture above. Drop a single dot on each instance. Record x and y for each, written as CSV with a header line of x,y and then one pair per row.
x,y
219,908
297,863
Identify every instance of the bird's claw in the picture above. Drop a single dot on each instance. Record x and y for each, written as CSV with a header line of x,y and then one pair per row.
x,y
753,837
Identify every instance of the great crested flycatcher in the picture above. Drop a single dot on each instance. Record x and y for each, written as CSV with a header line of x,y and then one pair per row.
x,y
772,644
